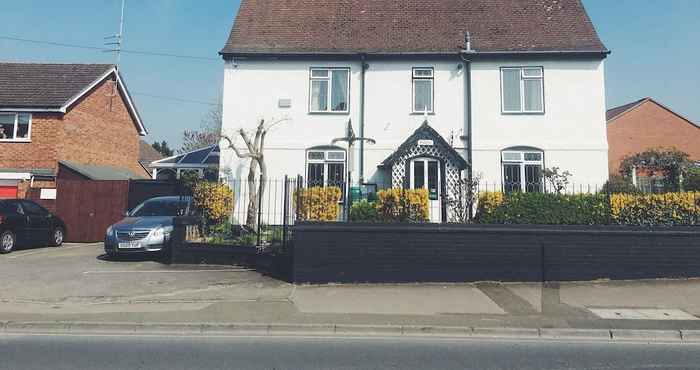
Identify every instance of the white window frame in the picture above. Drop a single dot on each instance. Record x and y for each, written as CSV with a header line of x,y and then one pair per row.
x,y
523,163
15,128
431,79
523,78
329,97
326,162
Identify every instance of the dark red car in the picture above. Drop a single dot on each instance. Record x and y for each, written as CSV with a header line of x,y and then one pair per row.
x,y
25,223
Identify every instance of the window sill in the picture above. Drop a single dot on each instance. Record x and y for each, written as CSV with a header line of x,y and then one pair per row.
x,y
330,113
421,113
25,141
522,113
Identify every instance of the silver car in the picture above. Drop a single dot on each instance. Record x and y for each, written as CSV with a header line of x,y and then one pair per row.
x,y
147,227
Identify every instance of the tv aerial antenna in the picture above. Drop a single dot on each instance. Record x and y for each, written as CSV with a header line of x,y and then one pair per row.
x,y
114,44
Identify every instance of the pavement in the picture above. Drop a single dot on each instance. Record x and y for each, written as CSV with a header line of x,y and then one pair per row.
x,y
75,288
66,352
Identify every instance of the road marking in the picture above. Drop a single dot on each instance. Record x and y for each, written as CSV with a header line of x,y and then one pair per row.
x,y
642,314
160,271
44,250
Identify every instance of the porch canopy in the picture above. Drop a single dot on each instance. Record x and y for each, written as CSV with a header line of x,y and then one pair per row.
x,y
425,142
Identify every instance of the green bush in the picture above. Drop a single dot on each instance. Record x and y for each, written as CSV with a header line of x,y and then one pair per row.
x,y
618,185
549,209
364,211
691,182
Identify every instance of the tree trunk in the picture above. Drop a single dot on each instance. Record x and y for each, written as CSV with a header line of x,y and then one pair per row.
x,y
263,176
252,217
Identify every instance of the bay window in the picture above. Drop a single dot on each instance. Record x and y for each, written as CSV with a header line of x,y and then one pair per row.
x,y
329,90
522,90
15,126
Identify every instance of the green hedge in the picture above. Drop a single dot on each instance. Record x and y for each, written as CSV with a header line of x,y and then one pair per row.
x,y
590,209
548,209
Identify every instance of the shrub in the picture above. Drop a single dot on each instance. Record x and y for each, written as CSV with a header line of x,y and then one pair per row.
x,y
488,202
214,200
618,184
691,182
318,204
403,205
548,209
364,211
656,209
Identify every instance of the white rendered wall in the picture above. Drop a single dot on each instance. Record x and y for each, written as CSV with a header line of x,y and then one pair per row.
x,y
571,132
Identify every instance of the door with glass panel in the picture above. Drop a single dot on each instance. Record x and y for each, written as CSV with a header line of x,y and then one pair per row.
x,y
426,174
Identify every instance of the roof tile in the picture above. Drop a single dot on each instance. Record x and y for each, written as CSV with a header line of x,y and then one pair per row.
x,y
411,26
35,85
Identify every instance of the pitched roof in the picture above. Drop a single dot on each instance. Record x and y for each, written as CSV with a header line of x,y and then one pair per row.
x,y
203,157
93,172
55,87
425,132
148,154
613,113
616,112
403,26
30,85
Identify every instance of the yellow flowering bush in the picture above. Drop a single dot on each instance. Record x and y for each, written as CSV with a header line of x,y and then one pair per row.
x,y
215,200
488,202
403,205
318,204
656,209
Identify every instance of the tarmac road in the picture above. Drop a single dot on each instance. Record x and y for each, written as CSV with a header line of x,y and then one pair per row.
x,y
75,352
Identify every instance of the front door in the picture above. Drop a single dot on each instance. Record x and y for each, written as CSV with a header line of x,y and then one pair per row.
x,y
426,174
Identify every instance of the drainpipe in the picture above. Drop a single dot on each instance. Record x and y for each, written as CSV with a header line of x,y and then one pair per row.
x,y
363,58
468,110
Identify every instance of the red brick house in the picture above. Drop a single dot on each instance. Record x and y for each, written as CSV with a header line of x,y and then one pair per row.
x,y
645,124
58,118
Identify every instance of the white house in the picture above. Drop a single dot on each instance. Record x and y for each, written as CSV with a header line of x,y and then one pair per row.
x,y
446,89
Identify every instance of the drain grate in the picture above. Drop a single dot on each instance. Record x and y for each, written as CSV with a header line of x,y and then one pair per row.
x,y
642,314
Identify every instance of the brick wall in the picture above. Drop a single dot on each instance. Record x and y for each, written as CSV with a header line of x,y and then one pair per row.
x,y
97,135
650,126
42,151
89,133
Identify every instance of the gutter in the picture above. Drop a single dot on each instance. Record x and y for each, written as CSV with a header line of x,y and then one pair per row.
x,y
349,53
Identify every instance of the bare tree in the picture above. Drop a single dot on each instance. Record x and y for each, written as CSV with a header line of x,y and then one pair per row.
x,y
255,148
207,134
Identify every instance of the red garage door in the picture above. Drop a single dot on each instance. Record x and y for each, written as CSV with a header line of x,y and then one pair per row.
x,y
8,192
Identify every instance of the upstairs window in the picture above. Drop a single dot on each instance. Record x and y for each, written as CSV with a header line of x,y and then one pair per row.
x,y
15,127
423,89
522,90
330,90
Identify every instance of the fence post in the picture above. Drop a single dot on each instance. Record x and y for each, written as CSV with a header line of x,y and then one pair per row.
x,y
285,213
260,187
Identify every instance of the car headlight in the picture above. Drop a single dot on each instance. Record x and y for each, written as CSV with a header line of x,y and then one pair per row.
x,y
109,231
161,232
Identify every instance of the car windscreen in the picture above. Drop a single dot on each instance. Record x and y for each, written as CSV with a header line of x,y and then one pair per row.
x,y
160,207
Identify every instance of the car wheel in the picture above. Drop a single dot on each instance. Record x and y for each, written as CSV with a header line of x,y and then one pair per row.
x,y
7,242
57,237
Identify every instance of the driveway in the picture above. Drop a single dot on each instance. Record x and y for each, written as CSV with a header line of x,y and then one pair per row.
x,y
77,278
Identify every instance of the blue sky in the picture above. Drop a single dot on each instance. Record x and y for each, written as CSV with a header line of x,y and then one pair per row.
x,y
654,44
